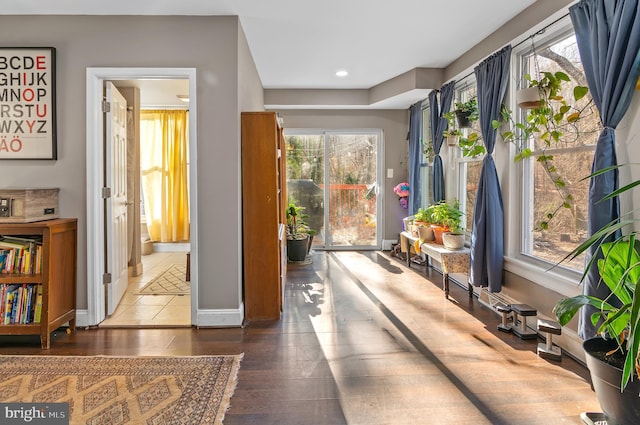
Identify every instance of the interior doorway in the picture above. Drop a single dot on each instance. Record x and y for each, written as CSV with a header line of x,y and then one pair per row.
x,y
99,243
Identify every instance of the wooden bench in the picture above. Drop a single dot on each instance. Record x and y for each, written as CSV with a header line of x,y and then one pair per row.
x,y
458,261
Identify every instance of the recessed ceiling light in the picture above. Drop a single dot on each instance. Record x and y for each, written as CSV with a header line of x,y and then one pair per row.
x,y
183,97
342,73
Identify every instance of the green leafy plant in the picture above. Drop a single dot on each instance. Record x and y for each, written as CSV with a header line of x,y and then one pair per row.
x,y
469,108
297,227
424,215
448,214
618,315
471,144
428,152
452,129
553,122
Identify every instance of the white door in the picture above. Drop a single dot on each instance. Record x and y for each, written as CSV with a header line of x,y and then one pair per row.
x,y
116,204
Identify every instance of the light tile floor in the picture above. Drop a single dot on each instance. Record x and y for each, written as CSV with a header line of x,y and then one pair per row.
x,y
152,310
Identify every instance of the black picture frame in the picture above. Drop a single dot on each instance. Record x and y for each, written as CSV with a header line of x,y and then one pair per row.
x,y
28,103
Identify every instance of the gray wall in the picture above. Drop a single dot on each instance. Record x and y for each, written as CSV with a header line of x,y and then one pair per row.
x,y
394,124
209,44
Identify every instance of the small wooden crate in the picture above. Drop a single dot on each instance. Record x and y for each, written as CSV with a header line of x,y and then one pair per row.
x,y
28,205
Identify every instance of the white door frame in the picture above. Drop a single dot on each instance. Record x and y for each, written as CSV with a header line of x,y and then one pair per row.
x,y
95,173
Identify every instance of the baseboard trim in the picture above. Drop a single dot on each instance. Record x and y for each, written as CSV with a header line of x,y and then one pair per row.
x,y
82,319
388,243
219,318
171,246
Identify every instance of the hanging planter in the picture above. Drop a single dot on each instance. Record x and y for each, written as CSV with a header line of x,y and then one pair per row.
x,y
452,139
528,98
464,118
466,112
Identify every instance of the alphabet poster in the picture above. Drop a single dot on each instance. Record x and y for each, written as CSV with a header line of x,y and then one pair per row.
x,y
27,103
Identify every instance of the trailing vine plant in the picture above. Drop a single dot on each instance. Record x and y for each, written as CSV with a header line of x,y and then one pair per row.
x,y
553,122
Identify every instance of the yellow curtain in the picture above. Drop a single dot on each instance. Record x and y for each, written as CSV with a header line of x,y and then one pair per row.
x,y
164,159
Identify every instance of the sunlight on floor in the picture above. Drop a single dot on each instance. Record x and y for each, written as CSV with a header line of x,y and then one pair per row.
x,y
152,310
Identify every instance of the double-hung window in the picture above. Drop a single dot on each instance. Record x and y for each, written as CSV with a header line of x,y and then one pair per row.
x,y
426,161
468,167
543,239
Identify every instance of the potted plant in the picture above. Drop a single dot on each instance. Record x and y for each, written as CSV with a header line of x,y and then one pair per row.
x,y
298,232
455,237
467,112
452,133
471,143
423,221
612,356
552,122
444,216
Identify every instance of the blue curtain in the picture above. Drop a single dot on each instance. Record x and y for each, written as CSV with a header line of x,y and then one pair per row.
x,y
608,37
487,236
415,156
438,126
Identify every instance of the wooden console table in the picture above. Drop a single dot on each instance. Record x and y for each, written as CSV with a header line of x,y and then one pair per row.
x,y
458,261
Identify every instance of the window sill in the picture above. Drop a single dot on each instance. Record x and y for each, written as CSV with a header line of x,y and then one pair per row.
x,y
544,277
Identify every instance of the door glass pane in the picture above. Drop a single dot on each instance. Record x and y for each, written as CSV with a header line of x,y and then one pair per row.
x,y
305,178
352,168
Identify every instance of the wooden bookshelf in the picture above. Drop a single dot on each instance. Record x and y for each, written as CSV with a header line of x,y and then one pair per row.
x,y
263,215
58,276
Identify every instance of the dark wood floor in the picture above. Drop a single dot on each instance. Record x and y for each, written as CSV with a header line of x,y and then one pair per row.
x,y
364,340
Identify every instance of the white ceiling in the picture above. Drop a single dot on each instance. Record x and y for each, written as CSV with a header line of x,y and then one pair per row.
x,y
300,44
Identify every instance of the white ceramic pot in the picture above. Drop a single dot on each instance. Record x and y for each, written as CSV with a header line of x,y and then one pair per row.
x,y
425,233
452,241
528,98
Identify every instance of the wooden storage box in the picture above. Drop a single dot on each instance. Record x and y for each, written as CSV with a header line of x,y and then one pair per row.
x,y
28,205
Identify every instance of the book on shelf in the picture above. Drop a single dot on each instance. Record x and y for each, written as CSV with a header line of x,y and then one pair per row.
x,y
20,303
20,254
37,311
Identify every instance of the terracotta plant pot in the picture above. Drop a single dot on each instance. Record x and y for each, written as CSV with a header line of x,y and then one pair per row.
x,y
438,230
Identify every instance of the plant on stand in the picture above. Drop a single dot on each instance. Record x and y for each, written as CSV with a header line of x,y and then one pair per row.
x,y
446,216
299,235
423,221
613,356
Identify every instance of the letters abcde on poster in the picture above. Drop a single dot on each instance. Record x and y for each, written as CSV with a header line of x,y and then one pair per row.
x,y
27,103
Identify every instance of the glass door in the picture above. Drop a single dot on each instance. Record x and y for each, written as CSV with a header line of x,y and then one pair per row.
x,y
335,176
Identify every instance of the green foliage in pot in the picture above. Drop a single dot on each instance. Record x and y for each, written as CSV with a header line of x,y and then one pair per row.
x,y
469,108
452,130
448,214
470,144
618,315
423,215
553,123
297,227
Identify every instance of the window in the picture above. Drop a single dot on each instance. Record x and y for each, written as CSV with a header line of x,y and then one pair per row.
x,y
468,167
426,164
571,157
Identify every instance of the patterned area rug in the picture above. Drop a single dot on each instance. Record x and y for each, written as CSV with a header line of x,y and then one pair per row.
x,y
125,390
170,282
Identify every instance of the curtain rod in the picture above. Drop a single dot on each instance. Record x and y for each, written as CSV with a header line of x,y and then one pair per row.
x,y
539,32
